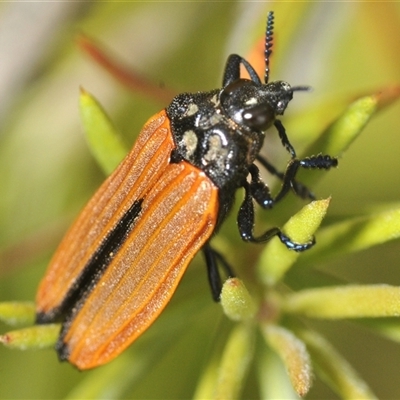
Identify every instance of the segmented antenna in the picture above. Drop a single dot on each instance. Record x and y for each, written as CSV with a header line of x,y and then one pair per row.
x,y
268,43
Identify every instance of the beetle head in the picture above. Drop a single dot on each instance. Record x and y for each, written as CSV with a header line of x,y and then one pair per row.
x,y
255,106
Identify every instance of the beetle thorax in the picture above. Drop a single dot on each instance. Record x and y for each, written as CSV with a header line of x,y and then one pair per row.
x,y
222,131
211,139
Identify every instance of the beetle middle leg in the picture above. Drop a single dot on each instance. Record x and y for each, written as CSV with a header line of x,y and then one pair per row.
x,y
260,192
246,222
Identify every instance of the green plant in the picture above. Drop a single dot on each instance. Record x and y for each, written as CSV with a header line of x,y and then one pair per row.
x,y
287,297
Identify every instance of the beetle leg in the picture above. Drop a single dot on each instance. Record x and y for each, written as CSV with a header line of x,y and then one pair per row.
x,y
314,162
232,70
284,139
319,161
261,193
288,178
213,257
246,225
259,190
299,189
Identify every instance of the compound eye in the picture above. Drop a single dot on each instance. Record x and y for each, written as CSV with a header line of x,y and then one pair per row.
x,y
259,117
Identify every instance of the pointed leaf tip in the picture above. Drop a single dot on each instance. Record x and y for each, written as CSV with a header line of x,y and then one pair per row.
x,y
103,139
276,260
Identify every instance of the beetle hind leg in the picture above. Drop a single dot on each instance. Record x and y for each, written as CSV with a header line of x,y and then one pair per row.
x,y
213,258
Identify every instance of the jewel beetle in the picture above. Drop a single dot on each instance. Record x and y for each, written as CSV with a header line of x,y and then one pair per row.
x,y
121,261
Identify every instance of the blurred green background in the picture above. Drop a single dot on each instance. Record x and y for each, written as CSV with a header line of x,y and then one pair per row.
x,y
343,50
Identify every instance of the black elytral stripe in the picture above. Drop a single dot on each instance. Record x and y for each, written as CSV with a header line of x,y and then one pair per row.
x,y
95,267
93,271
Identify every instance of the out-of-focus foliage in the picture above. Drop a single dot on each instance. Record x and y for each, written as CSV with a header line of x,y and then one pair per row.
x,y
343,50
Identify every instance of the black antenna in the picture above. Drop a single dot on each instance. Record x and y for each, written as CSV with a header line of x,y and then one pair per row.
x,y
268,43
301,88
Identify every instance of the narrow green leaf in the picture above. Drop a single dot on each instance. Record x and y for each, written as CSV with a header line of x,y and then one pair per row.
x,y
355,234
351,301
276,259
341,133
333,369
35,337
307,126
293,354
104,141
273,378
111,381
207,382
235,362
17,313
387,327
236,301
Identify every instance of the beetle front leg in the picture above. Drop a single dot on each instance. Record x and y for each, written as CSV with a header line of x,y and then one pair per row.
x,y
314,162
284,139
299,189
319,161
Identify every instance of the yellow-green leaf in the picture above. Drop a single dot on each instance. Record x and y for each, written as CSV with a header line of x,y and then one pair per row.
x,y
273,379
17,313
104,141
207,382
336,139
276,259
341,133
331,367
35,337
235,362
355,234
236,301
350,301
293,354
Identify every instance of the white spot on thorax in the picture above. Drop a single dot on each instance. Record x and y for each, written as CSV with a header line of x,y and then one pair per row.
x,y
251,101
190,142
193,108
